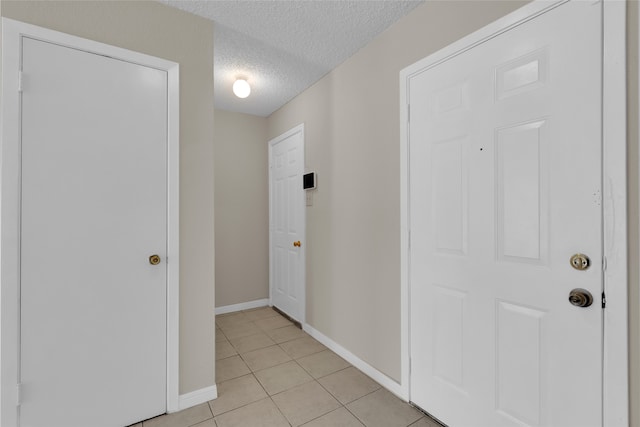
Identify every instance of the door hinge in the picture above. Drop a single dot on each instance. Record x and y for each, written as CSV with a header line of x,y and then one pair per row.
x,y
604,300
18,394
20,78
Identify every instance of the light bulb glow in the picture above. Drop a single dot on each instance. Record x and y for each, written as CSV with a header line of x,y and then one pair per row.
x,y
241,88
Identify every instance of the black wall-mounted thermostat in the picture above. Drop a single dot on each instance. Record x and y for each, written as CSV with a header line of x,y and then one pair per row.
x,y
309,181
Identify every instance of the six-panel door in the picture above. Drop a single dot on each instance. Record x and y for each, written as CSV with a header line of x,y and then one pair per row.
x,y
505,185
287,223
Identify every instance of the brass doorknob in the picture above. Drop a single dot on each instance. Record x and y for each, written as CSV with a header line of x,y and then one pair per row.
x,y
297,244
154,259
580,297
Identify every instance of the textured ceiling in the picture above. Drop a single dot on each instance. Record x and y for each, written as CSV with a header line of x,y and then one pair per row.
x,y
283,47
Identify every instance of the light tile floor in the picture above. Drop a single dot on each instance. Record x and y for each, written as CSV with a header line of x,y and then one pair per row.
x,y
270,373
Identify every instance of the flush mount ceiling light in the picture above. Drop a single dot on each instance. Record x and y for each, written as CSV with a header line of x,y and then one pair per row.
x,y
241,88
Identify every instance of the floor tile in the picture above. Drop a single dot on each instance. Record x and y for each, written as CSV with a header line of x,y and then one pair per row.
x,y
383,409
231,367
263,413
220,335
264,342
282,377
252,342
241,330
265,358
305,402
232,319
348,385
287,333
323,363
236,393
273,323
224,349
302,347
185,418
338,418
260,313
425,422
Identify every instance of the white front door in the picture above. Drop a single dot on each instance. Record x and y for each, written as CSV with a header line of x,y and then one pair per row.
x,y
505,185
94,201
287,223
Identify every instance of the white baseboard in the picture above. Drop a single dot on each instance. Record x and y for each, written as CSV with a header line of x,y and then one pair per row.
x,y
197,397
369,370
242,306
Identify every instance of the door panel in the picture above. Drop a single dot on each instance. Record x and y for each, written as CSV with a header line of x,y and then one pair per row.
x,y
504,187
287,224
520,167
94,203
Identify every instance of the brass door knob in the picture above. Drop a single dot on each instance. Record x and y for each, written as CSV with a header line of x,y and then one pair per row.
x,y
154,259
580,297
297,244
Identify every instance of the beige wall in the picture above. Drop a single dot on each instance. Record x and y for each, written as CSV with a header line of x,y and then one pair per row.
x,y
352,127
242,208
158,30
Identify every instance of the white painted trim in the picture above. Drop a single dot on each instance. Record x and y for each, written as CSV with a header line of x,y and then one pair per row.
x,y
197,397
12,33
303,226
616,371
369,370
9,224
500,26
173,236
614,126
242,306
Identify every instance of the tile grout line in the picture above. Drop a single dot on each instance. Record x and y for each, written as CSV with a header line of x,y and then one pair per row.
x,y
212,417
280,410
343,405
246,404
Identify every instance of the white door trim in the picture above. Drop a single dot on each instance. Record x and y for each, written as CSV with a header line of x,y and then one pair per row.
x,y
12,34
303,228
616,380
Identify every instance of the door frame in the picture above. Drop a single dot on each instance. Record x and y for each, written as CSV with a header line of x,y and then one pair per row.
x,y
303,226
614,189
10,190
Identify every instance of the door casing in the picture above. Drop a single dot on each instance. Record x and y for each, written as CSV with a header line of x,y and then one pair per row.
x,y
615,343
10,190
303,227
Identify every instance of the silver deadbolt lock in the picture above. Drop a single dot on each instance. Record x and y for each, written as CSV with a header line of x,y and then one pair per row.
x,y
580,297
580,262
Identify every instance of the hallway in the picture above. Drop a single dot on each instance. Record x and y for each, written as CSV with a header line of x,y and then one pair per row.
x,y
270,373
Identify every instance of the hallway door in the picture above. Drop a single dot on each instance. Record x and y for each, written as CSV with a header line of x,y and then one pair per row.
x,y
287,223
93,319
506,227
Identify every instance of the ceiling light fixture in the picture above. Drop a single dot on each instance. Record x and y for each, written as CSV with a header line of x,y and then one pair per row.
x,y
241,88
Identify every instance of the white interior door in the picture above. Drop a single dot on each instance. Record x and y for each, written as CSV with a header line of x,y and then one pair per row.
x,y
94,201
505,184
287,223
